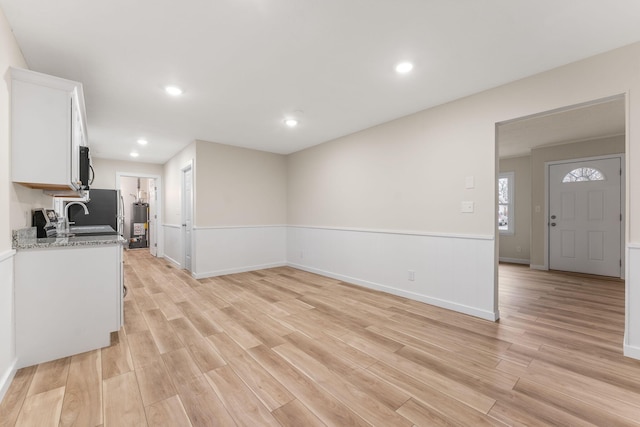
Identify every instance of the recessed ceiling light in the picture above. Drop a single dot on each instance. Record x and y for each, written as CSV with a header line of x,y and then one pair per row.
x,y
291,123
404,67
143,141
173,90
134,154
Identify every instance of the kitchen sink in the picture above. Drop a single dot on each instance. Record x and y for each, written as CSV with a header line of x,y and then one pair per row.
x,y
91,230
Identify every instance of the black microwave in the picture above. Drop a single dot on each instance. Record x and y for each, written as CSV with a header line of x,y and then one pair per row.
x,y
85,168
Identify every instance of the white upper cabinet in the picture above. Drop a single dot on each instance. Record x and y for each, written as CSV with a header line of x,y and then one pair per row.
x,y
48,126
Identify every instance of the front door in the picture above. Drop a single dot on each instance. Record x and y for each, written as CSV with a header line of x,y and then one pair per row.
x,y
585,216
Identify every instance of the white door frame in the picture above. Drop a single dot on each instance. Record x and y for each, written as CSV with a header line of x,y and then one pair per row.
x,y
158,181
623,201
183,229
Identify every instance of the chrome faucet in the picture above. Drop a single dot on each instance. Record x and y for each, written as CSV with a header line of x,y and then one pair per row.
x,y
66,213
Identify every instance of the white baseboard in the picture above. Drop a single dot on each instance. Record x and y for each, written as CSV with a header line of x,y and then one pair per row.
x,y
7,377
631,351
172,261
206,274
399,292
538,267
515,260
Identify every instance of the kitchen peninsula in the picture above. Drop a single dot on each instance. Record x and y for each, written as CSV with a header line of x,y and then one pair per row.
x,y
68,294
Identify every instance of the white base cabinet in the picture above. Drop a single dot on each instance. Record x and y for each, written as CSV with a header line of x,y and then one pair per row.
x,y
68,300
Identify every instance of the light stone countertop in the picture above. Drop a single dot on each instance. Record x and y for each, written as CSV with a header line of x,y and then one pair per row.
x,y
26,239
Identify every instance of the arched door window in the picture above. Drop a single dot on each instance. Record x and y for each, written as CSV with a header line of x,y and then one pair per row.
x,y
583,174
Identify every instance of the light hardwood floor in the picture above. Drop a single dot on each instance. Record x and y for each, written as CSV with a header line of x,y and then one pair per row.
x,y
286,347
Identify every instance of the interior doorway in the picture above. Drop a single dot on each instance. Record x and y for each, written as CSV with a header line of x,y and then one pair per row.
x,y
141,200
527,145
547,147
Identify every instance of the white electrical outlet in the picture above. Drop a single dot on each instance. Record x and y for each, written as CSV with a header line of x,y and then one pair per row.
x,y
466,207
412,275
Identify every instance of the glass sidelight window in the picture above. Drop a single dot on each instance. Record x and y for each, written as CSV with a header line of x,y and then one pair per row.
x,y
505,203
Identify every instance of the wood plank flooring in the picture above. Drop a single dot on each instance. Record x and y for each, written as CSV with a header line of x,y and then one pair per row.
x,y
283,347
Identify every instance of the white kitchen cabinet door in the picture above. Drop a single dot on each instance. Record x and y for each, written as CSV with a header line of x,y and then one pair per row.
x,y
47,129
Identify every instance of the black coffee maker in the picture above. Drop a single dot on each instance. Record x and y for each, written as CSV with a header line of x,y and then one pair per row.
x,y
45,221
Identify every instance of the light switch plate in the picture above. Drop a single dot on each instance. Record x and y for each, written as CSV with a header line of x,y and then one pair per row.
x,y
466,207
469,182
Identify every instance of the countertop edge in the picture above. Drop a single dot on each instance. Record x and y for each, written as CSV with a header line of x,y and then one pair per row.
x,y
28,241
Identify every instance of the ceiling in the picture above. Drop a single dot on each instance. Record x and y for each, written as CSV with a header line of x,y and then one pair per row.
x,y
246,65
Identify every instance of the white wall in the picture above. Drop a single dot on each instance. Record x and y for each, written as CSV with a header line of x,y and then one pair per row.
x,y
377,204
382,260
241,210
172,189
227,250
238,186
10,55
22,201
240,200
405,175
7,321
107,169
